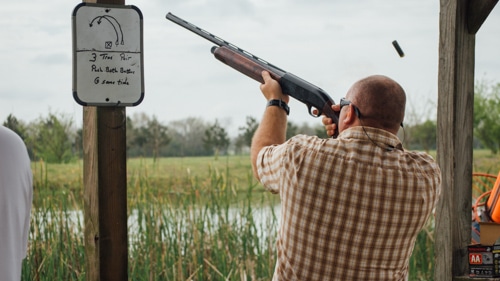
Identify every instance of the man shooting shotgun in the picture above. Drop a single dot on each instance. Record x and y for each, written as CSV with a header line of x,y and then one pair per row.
x,y
351,206
317,101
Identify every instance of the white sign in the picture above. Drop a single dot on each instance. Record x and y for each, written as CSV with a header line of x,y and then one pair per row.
x,y
107,55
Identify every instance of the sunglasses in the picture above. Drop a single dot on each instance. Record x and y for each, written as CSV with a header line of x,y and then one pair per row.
x,y
344,102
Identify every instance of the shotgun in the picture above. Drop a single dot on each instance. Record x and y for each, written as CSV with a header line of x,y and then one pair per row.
x,y
317,101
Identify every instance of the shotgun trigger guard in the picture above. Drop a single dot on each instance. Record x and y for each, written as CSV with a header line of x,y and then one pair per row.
x,y
313,111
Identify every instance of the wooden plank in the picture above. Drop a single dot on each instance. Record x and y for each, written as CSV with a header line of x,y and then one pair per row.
x,y
112,176
105,190
90,188
477,12
454,150
105,193
90,195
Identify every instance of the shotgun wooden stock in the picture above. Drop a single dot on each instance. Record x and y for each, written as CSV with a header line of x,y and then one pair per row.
x,y
243,64
317,101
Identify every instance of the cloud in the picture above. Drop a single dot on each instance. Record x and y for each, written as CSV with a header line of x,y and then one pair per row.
x,y
52,58
329,43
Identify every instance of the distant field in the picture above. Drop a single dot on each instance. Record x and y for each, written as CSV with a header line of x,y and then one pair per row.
x,y
486,162
167,175
163,176
193,218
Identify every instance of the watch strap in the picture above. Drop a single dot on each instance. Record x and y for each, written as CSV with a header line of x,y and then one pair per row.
x,y
281,104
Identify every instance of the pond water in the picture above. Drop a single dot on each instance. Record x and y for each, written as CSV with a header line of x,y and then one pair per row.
x,y
265,219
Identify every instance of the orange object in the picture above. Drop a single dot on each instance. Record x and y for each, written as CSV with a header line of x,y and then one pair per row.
x,y
493,203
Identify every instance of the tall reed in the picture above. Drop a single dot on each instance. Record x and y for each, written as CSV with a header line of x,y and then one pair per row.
x,y
56,249
183,225
202,229
205,232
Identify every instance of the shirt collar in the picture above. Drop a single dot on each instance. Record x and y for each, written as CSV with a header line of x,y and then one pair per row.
x,y
370,134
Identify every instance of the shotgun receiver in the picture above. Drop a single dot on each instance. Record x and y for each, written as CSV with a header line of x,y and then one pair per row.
x,y
317,101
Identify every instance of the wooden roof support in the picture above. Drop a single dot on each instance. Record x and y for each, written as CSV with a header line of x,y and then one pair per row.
x,y
459,21
477,12
454,142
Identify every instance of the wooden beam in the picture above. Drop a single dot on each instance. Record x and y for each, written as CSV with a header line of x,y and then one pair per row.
x,y
105,190
477,12
90,188
112,176
105,193
454,142
90,193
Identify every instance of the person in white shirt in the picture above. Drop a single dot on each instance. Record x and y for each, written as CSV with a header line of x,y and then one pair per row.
x,y
16,194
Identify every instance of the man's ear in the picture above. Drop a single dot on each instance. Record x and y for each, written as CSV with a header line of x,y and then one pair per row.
x,y
349,115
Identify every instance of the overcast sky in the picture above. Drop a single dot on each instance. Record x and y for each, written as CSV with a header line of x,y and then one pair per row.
x,y
329,43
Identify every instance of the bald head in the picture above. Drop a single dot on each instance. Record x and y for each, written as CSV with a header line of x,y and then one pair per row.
x,y
380,100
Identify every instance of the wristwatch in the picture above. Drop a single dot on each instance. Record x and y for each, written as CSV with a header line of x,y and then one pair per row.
x,y
281,104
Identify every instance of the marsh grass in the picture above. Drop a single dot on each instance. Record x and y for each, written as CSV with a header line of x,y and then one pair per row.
x,y
204,231
189,219
486,162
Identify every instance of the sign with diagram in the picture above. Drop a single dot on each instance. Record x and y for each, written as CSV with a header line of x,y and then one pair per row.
x,y
107,55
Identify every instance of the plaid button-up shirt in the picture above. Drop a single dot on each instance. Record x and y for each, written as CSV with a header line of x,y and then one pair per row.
x,y
350,209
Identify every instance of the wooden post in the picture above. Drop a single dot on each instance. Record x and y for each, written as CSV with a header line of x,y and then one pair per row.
x,y
91,187
105,190
112,177
459,21
105,193
477,12
454,142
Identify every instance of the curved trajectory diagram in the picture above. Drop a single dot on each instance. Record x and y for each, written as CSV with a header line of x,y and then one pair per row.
x,y
114,23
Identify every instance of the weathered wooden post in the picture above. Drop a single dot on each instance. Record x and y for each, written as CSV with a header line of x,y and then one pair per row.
x,y
90,192
459,21
105,184
107,77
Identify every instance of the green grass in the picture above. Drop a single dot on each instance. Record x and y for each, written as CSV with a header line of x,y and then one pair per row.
x,y
486,162
196,218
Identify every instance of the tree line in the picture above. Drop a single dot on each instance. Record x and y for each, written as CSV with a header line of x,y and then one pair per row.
x,y
55,139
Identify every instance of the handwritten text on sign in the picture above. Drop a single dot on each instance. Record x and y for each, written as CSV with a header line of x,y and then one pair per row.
x,y
107,55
